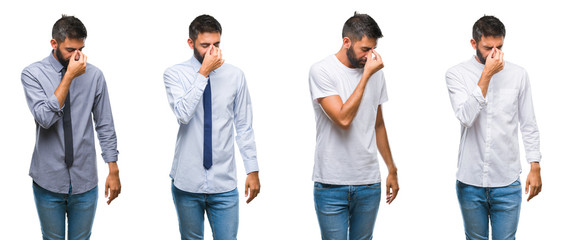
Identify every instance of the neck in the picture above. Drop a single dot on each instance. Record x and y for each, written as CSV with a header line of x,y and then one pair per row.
x,y
341,56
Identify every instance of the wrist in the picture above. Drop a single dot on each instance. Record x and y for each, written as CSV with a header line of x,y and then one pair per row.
x,y
113,169
204,72
535,166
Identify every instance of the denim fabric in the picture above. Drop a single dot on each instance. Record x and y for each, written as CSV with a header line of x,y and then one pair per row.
x,y
499,204
221,208
347,211
52,208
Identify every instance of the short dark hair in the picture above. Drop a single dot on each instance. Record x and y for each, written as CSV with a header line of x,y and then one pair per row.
x,y
204,23
488,26
68,27
361,25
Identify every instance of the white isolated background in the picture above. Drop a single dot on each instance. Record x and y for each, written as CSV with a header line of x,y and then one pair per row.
x,y
275,43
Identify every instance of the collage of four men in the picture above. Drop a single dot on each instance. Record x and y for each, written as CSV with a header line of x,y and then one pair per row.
x,y
210,99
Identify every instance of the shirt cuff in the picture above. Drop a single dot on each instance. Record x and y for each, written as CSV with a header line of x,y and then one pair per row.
x,y
251,166
110,157
478,95
53,105
533,157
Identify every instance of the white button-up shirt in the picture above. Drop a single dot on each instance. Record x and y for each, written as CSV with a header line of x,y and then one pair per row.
x,y
488,150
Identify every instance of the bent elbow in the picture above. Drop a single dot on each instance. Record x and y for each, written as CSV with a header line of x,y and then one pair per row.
x,y
46,124
343,124
465,123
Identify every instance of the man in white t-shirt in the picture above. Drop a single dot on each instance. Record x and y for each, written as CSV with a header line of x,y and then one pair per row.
x,y
347,90
491,98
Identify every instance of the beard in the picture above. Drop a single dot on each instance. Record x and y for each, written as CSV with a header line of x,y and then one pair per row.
x,y
482,59
61,58
356,62
198,56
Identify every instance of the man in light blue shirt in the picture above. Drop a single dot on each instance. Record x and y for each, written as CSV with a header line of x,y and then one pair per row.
x,y
208,97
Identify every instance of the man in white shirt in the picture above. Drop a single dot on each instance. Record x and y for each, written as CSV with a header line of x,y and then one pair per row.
x,y
347,90
490,98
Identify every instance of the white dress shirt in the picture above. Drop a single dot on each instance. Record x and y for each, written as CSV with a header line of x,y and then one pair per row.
x,y
488,150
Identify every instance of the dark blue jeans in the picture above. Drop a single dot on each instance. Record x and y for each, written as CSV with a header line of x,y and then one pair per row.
x,y
52,208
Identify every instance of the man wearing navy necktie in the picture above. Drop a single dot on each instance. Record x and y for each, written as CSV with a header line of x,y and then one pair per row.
x,y
209,97
63,165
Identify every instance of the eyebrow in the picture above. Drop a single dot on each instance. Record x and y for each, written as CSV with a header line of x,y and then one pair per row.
x,y
72,49
205,43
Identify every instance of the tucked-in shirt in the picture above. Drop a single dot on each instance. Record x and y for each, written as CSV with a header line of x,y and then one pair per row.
x,y
88,97
488,150
346,156
230,106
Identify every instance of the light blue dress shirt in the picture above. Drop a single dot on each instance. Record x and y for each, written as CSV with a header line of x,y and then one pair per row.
x,y
89,99
230,107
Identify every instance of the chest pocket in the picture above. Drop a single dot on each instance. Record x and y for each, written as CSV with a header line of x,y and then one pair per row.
x,y
507,101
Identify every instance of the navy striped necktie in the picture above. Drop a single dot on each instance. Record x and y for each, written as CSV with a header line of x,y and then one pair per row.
x,y
207,127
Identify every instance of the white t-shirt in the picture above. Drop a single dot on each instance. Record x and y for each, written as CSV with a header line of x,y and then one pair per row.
x,y
346,157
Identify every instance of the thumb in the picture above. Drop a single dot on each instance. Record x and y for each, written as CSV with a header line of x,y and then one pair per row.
x,y
73,56
106,191
527,186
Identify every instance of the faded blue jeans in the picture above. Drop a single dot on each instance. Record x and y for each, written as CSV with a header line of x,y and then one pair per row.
x,y
499,204
53,208
347,211
222,213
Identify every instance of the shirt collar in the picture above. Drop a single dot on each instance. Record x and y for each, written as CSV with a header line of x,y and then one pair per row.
x,y
196,64
55,63
477,63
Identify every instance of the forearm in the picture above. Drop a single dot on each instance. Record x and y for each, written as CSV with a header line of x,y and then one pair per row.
x,y
384,148
342,114
535,166
466,103
44,106
184,100
484,82
352,104
113,169
62,90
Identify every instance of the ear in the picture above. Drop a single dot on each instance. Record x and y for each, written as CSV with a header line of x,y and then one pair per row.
x,y
474,44
346,42
54,44
191,43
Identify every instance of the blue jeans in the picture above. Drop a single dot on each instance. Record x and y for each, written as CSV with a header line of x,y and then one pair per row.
x,y
221,209
347,211
499,204
52,208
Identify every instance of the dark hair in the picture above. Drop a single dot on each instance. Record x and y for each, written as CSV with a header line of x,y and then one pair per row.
x,y
361,25
68,27
204,23
488,26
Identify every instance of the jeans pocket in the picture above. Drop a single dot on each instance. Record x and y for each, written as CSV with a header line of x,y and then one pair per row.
x,y
516,183
321,186
374,186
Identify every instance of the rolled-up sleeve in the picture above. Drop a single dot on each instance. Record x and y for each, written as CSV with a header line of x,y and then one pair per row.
x,y
467,103
243,126
43,105
103,118
184,96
